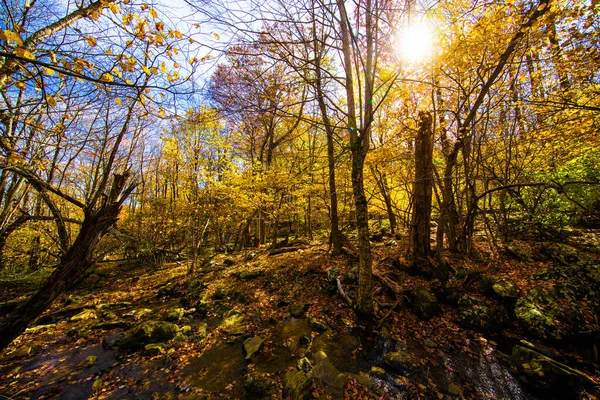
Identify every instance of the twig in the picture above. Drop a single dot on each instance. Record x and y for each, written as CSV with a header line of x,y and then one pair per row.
x,y
389,312
341,290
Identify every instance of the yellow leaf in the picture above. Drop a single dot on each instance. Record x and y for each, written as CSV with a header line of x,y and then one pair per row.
x,y
175,65
49,71
153,13
161,112
50,100
108,52
163,68
146,69
114,8
20,85
118,101
91,41
13,37
177,34
216,35
106,77
21,52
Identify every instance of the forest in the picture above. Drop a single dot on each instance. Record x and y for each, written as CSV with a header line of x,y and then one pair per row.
x,y
300,199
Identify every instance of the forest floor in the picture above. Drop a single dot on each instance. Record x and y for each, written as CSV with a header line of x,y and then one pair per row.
x,y
254,325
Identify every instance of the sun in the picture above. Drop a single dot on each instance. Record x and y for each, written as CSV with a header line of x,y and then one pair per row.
x,y
414,43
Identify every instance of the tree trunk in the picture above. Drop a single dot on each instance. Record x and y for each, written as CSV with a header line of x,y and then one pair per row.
x,y
422,192
74,265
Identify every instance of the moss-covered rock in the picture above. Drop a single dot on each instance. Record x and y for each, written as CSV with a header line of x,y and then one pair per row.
x,y
537,313
260,387
400,362
423,303
252,345
505,289
148,332
297,385
477,314
298,310
174,314
84,315
233,323
328,376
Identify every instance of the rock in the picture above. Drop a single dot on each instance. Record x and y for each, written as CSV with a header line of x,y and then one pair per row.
x,y
169,289
455,390
39,328
228,262
21,352
88,362
430,343
544,372
505,289
249,275
111,325
259,387
486,283
148,332
298,310
84,315
138,314
174,315
232,324
318,326
537,312
400,362
202,330
112,341
378,372
363,379
328,376
305,365
477,314
297,385
252,345
423,303
153,349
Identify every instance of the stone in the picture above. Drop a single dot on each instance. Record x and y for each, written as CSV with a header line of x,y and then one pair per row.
x,y
423,303
318,326
84,315
112,341
474,313
486,284
454,389
202,330
537,312
430,343
252,345
260,387
305,365
108,325
400,362
328,376
232,324
153,349
174,315
297,385
378,372
298,310
169,289
505,289
249,275
544,372
88,362
148,332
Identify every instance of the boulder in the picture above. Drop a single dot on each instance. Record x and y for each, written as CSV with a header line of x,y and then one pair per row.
x,y
259,387
148,332
544,372
505,289
174,315
537,312
423,302
474,313
400,362
153,349
328,376
297,385
233,323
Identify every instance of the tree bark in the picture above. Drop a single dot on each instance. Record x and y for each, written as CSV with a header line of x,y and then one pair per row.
x,y
74,265
422,191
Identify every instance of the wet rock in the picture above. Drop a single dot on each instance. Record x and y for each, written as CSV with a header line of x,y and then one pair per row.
x,y
148,332
84,315
252,345
328,376
378,372
474,313
544,372
112,341
305,365
108,325
297,385
400,362
318,326
21,352
153,349
537,312
298,310
138,314
423,303
259,387
174,315
201,330
39,328
88,362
